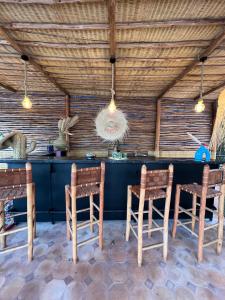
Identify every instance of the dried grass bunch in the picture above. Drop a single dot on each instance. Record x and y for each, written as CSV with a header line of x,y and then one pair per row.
x,y
218,135
66,123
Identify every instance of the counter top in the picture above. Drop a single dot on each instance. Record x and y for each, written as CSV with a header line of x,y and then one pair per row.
x,y
137,159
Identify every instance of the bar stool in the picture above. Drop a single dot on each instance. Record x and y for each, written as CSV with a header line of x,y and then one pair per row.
x,y
154,185
85,182
210,180
16,184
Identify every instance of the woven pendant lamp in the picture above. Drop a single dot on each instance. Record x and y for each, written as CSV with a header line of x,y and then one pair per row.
x,y
111,123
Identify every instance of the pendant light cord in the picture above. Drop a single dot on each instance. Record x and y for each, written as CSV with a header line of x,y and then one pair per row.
x,y
112,88
202,74
25,78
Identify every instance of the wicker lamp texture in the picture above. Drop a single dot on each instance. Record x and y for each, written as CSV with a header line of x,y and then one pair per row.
x,y
111,126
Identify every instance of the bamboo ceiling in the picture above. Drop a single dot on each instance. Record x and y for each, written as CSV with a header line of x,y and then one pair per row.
x,y
157,44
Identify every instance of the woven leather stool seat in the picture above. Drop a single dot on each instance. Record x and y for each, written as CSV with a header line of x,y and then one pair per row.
x,y
197,189
11,193
85,191
149,194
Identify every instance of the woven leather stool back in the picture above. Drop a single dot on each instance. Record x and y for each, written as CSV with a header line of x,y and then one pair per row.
x,y
87,176
15,177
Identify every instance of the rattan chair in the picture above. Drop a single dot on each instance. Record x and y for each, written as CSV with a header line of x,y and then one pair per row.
x,y
16,184
85,182
211,179
154,185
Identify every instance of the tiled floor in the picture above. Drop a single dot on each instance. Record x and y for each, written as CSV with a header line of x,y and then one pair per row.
x,y
112,273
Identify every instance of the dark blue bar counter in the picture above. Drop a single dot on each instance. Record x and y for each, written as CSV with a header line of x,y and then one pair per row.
x,y
52,174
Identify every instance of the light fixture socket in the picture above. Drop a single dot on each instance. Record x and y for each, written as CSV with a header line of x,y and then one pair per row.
x,y
24,57
203,59
112,59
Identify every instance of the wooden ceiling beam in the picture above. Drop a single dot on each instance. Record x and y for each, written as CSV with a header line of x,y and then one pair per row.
x,y
210,91
212,46
49,2
112,27
112,46
7,87
4,34
119,25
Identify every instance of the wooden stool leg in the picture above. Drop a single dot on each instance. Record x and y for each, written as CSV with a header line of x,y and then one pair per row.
x,y
34,213
201,228
176,210
194,201
165,225
149,217
220,225
91,212
140,229
129,200
74,228
67,197
2,225
101,209
30,220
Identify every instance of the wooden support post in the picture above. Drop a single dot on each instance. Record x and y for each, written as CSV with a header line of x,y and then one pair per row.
x,y
214,110
67,114
157,129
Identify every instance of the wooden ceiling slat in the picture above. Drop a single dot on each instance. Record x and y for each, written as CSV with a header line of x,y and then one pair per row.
x,y
4,33
212,46
119,25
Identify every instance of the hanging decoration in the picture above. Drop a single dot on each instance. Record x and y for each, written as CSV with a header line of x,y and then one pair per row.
x,y
218,135
200,106
26,103
111,123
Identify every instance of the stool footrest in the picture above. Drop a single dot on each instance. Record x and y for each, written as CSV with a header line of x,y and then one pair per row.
x,y
86,224
96,206
211,226
13,231
158,212
152,246
134,232
182,210
87,241
187,228
134,215
9,249
210,243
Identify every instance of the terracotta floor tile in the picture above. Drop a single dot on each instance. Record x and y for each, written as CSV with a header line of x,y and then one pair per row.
x,y
112,273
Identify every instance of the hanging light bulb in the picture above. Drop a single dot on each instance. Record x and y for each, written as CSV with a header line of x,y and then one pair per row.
x,y
112,105
26,103
200,106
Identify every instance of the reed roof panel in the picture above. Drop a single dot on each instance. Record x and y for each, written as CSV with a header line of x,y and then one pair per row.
x,y
70,43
